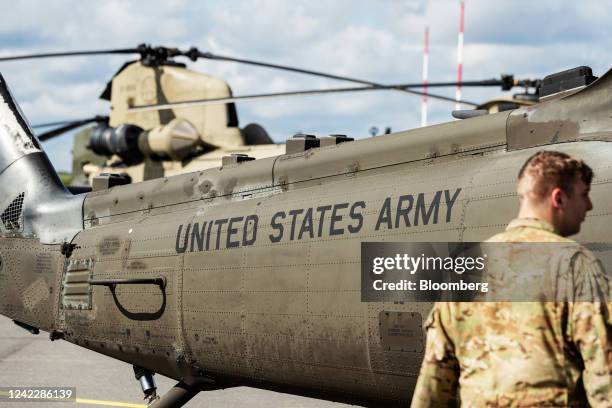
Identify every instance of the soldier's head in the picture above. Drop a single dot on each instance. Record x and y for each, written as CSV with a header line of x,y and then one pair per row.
x,y
555,187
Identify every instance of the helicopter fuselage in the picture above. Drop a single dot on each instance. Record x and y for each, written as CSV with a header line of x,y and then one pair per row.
x,y
262,259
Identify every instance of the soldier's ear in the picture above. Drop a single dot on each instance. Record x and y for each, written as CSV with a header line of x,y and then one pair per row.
x,y
557,197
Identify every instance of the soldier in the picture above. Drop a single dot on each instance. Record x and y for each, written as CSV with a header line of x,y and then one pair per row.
x,y
528,353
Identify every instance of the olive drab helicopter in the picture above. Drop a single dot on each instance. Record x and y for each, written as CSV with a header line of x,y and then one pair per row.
x,y
249,273
139,144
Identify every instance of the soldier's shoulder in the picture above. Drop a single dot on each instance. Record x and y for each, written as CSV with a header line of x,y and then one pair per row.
x,y
586,253
528,230
591,267
525,234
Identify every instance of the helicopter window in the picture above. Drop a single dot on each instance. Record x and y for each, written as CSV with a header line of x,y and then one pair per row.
x,y
232,116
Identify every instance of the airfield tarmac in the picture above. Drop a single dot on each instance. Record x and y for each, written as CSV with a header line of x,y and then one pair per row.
x,y
29,360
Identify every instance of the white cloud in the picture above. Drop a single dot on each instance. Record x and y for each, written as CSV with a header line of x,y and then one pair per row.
x,y
378,41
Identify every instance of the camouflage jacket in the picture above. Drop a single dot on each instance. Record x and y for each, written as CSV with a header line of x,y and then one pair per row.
x,y
519,354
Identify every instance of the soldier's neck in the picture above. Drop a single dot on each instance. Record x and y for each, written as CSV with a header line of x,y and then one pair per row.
x,y
538,212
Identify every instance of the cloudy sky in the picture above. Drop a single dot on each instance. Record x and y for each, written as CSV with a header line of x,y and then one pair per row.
x,y
381,41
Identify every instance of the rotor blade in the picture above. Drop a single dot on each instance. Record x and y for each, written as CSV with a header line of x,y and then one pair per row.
x,y
506,82
97,118
71,54
197,102
56,132
49,124
68,127
486,82
208,55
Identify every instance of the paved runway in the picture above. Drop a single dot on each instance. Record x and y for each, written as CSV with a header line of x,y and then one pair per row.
x,y
28,360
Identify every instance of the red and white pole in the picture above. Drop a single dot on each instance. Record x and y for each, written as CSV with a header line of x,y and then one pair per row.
x,y
425,70
460,55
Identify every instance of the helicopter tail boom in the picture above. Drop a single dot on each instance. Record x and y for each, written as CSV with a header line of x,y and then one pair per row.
x,y
33,200
38,220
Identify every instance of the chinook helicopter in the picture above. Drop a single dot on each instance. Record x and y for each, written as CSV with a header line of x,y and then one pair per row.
x,y
142,140
248,274
152,144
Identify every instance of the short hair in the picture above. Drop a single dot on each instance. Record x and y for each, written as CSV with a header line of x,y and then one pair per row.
x,y
550,169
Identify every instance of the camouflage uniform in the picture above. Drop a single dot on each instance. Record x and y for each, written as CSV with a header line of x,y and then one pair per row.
x,y
519,354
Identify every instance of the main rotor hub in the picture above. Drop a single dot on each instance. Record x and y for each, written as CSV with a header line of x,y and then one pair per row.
x,y
156,56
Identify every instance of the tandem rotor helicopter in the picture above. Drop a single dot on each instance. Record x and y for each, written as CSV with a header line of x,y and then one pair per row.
x,y
166,119
249,273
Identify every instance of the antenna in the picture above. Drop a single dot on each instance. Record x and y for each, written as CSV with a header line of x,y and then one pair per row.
x,y
425,70
460,55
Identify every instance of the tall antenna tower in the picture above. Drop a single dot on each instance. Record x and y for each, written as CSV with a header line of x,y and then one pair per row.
x,y
460,54
425,74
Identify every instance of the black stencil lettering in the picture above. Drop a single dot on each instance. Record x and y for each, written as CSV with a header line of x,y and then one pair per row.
x,y
384,215
294,214
219,224
245,239
450,202
336,218
403,212
231,231
277,226
307,225
181,248
210,224
356,216
197,236
433,209
322,210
